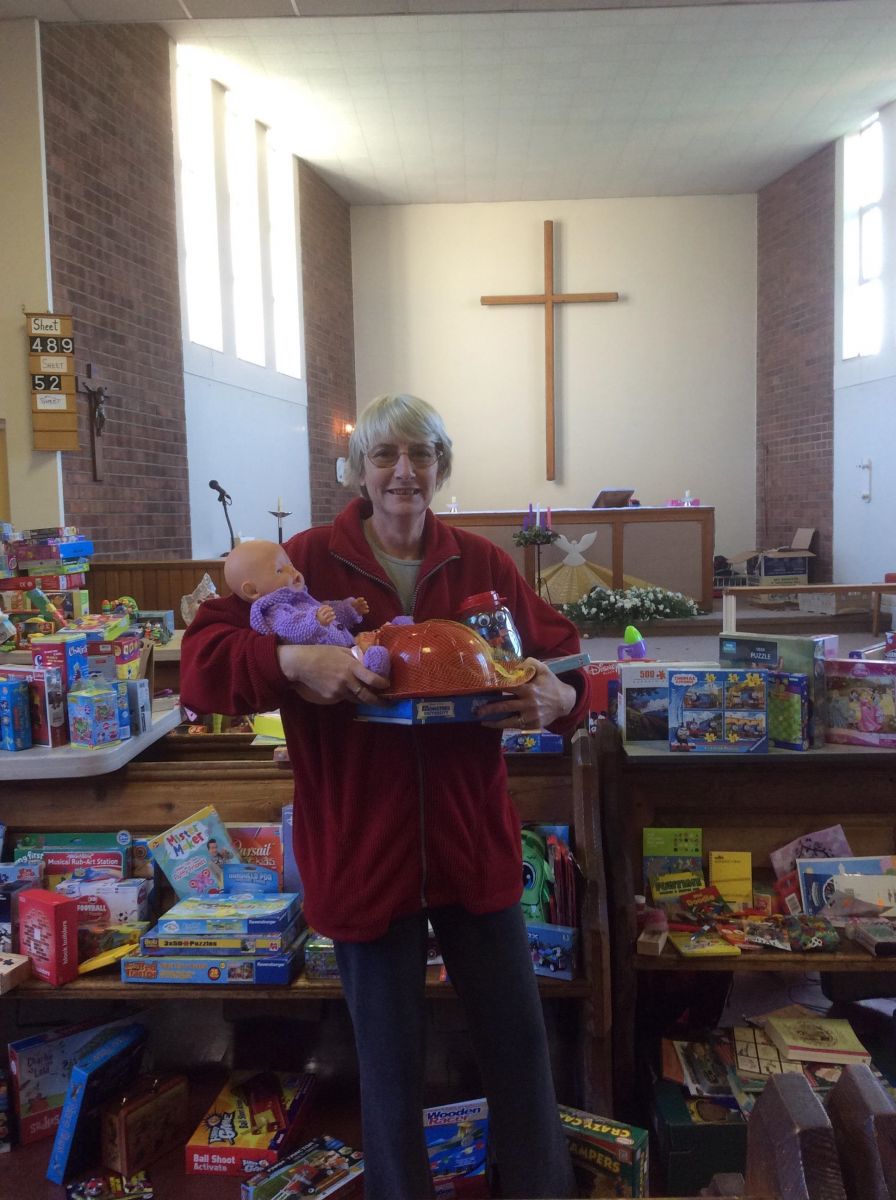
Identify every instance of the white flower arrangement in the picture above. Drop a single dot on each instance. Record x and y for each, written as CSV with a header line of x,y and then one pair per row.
x,y
606,606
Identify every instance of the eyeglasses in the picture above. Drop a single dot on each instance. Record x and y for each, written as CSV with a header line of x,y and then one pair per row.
x,y
421,455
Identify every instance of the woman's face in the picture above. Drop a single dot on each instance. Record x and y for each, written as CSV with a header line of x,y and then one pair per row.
x,y
406,487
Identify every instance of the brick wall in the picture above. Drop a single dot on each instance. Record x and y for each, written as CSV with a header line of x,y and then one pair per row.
x,y
110,178
795,354
329,336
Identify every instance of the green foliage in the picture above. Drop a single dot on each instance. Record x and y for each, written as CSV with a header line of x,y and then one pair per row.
x,y
535,535
628,606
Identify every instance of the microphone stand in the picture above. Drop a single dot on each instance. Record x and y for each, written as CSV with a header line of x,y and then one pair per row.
x,y
225,502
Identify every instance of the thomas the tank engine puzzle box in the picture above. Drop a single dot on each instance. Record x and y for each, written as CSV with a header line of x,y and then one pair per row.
x,y
721,710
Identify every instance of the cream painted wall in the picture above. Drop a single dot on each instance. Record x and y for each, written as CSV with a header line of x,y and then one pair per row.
x,y
35,479
657,392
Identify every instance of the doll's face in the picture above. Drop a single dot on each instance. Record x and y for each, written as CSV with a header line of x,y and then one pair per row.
x,y
255,569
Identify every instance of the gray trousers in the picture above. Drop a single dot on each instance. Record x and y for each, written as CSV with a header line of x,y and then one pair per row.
x,y
487,959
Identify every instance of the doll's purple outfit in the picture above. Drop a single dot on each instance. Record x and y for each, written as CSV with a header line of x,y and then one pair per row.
x,y
291,614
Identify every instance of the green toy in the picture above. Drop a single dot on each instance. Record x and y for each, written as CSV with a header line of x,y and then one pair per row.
x,y
538,877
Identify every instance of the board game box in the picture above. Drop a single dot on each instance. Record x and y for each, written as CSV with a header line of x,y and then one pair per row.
x,y
609,1158
255,1120
240,913
154,942
265,970
321,1167
457,1144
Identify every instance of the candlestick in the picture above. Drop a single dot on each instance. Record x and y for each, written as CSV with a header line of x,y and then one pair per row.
x,y
549,517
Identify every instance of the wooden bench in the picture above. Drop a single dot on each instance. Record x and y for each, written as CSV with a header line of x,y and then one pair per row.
x,y
873,590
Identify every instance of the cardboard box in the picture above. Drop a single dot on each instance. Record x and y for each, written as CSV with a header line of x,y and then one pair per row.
x,y
264,970
696,1138
116,658
831,603
642,712
15,715
14,969
785,566
93,715
609,1158
722,710
788,710
67,651
325,1166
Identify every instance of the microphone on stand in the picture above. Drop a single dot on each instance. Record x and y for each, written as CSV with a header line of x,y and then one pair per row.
x,y
225,500
222,495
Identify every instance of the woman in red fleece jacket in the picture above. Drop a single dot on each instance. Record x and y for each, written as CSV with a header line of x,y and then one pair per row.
x,y
397,824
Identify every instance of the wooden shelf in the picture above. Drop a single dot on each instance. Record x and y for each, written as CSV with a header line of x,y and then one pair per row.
x,y
107,985
762,960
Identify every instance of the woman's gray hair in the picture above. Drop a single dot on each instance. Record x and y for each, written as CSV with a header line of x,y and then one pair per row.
x,y
406,418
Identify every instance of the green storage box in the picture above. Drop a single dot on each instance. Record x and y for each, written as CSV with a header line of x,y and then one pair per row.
x,y
696,1138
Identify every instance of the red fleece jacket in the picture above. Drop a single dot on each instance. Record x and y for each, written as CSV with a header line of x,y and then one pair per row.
x,y
388,819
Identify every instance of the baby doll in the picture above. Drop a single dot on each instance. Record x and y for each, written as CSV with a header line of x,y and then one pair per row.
x,y
261,573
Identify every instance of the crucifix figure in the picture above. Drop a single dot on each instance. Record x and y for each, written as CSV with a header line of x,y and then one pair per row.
x,y
549,298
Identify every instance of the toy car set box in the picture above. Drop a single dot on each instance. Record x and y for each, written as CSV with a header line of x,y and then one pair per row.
x,y
609,1158
721,710
553,949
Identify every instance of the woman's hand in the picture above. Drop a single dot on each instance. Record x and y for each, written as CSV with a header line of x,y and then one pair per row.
x,y
329,674
533,705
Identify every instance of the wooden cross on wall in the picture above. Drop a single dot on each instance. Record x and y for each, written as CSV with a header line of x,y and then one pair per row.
x,y
549,298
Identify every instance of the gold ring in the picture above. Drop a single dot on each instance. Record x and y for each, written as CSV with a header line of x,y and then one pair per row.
x,y
359,689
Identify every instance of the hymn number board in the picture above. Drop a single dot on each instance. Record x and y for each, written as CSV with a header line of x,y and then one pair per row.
x,y
51,361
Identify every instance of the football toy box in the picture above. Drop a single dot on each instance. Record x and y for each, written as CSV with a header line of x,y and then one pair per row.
x,y
108,901
609,1159
861,709
457,1144
721,710
193,852
790,653
254,1121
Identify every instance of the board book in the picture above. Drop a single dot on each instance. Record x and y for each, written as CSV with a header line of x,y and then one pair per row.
x,y
816,1039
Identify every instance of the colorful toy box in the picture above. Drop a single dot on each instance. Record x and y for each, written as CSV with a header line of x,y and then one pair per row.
x,y
65,651
788,710
535,741
553,949
100,627
324,1166
115,658
49,726
609,1158
40,1067
260,847
93,715
433,710
15,715
9,913
861,708
108,901
71,602
457,1145
254,1121
232,914
292,880
139,705
48,934
320,958
82,855
603,692
43,550
786,652
719,710
193,852
642,711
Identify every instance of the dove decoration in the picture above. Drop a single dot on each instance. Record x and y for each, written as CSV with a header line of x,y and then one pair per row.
x,y
575,575
573,547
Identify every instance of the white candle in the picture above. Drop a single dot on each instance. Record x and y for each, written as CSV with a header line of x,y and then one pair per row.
x,y
537,514
279,504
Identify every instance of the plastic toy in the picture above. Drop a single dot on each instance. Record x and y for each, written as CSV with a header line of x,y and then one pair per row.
x,y
261,573
632,644
538,876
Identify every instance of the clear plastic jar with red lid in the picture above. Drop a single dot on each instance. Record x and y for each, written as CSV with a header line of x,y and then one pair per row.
x,y
487,614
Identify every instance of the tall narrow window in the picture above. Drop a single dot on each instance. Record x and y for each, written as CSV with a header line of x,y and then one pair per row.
x,y
202,266
238,200
863,241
